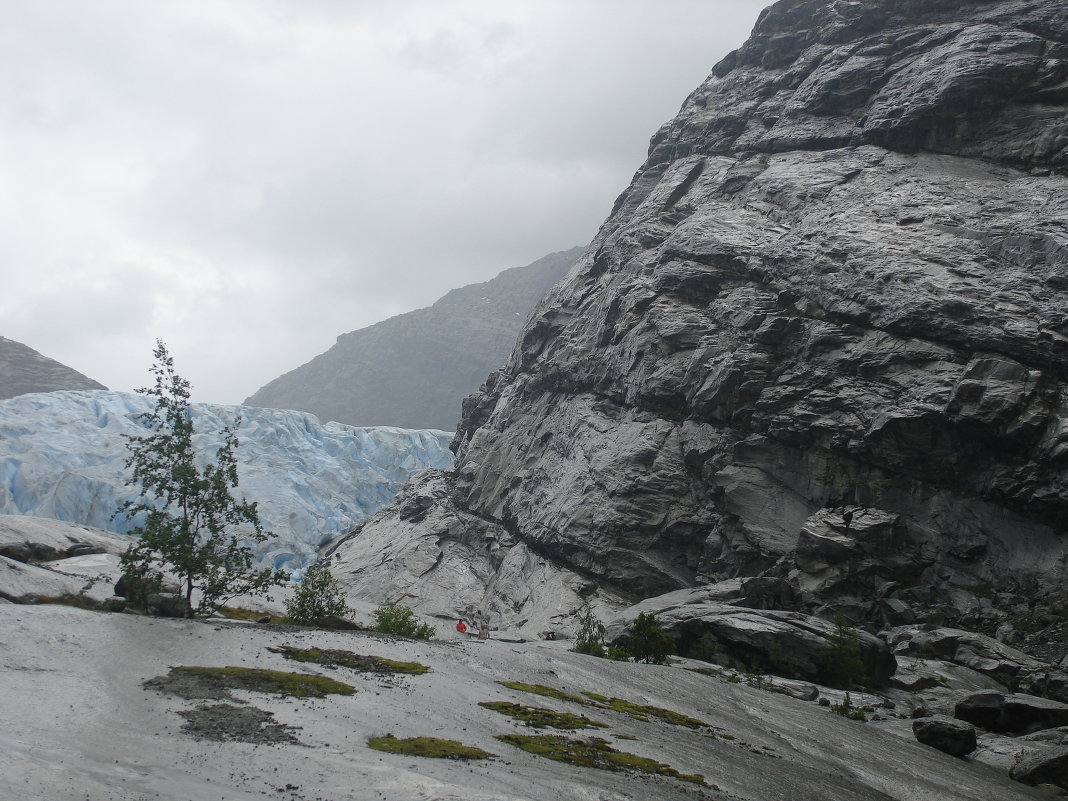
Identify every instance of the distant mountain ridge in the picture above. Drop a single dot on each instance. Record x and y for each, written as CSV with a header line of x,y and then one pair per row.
x,y
23,370
414,370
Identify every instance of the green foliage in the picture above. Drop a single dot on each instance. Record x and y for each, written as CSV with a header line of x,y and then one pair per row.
x,y
617,654
539,717
401,620
593,753
427,747
590,637
840,663
847,710
189,511
648,643
317,598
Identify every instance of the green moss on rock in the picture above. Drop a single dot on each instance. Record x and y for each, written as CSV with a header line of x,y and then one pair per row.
x,y
427,747
364,663
300,685
593,753
541,689
644,711
637,711
541,718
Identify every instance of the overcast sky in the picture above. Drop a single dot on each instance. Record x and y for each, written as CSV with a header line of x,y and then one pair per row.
x,y
249,179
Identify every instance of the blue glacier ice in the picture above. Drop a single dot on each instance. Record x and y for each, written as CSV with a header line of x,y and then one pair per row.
x,y
62,456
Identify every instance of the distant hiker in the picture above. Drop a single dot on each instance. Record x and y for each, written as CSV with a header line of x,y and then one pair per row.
x,y
461,626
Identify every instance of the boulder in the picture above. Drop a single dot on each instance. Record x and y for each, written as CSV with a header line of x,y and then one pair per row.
x,y
915,675
788,644
954,737
1043,767
982,654
1015,713
982,708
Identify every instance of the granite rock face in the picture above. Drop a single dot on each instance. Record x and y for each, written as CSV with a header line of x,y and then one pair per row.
x,y
823,335
24,370
413,370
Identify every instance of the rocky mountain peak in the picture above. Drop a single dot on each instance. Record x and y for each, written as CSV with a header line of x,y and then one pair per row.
x,y
24,370
977,78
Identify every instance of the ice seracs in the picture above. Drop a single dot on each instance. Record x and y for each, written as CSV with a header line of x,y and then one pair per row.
x,y
63,457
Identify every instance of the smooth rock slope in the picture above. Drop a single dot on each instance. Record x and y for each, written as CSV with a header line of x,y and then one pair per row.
x,y
99,733
23,370
413,370
62,456
822,336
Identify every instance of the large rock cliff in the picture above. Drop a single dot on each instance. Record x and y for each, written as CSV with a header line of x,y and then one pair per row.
x,y
413,370
822,336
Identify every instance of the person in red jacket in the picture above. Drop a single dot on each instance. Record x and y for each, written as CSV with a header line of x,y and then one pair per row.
x,y
461,626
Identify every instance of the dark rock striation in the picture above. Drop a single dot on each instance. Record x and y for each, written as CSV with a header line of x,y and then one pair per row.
x,y
24,370
823,336
413,370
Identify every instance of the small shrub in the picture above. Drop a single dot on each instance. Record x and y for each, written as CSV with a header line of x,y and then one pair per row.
x,y
401,620
617,654
847,710
317,598
840,662
590,637
648,643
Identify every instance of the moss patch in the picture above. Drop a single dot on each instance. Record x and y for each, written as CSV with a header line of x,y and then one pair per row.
x,y
637,711
541,718
644,711
427,747
363,663
541,689
222,679
593,753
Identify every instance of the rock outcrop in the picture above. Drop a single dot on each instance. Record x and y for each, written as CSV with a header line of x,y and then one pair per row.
x,y
823,336
23,370
413,370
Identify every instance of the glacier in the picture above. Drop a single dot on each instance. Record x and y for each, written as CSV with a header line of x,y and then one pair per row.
x,y
62,456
